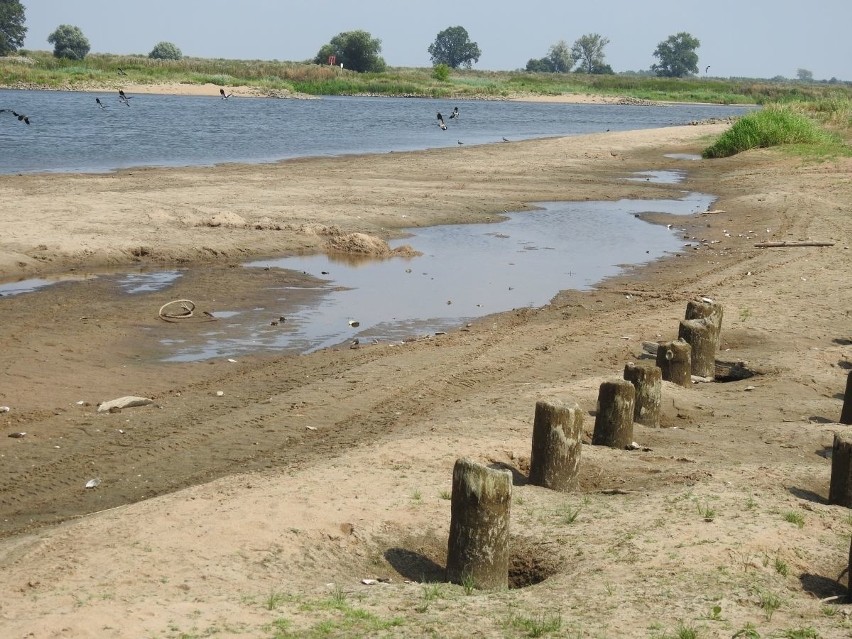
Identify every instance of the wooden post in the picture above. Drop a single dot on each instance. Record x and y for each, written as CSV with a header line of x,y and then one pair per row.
x,y
647,382
846,412
478,546
703,309
614,421
840,489
675,362
556,444
702,337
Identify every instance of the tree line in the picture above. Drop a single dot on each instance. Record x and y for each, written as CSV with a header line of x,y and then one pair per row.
x,y
359,51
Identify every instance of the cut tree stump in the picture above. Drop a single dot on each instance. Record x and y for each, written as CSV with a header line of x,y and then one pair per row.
x,y
556,444
614,421
675,362
840,489
647,380
702,336
478,545
846,412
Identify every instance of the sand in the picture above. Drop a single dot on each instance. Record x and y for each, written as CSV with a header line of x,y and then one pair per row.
x,y
252,497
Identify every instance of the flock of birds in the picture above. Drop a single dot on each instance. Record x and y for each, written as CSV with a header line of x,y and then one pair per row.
x,y
125,100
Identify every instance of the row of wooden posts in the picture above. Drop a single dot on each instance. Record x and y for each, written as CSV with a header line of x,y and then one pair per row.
x,y
478,547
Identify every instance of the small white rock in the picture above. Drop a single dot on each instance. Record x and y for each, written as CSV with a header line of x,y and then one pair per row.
x,y
220,393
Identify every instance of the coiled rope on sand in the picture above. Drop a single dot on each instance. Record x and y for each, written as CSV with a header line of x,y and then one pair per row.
x,y
187,311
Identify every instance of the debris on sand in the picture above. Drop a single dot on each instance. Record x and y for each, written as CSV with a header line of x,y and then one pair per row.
x,y
128,401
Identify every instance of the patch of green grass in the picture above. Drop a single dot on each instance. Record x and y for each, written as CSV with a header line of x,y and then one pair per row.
x,y
707,513
795,518
445,494
536,626
774,125
746,632
681,632
781,566
568,514
274,600
768,601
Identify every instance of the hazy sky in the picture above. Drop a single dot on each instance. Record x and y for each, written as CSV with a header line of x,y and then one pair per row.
x,y
749,38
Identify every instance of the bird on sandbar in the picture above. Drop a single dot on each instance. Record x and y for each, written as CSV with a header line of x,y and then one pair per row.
x,y
224,95
441,122
455,114
460,142
505,139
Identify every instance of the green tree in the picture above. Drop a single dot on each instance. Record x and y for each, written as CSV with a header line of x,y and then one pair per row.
x,y
69,42
677,56
356,50
12,29
541,65
561,57
804,75
453,47
588,52
165,51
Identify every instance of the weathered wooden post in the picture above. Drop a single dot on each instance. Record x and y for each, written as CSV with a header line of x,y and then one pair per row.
x,y
614,421
647,380
840,489
556,444
705,309
702,337
478,546
675,362
846,412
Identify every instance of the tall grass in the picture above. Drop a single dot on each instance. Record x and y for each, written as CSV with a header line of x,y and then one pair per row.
x,y
774,125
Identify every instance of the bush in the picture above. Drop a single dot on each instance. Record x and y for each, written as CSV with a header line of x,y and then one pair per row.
x,y
441,72
165,51
771,126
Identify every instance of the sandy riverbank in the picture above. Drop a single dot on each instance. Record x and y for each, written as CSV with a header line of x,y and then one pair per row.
x,y
259,511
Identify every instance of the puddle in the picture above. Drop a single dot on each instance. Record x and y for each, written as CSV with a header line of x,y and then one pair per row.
x,y
465,272
658,177
134,283
683,156
33,285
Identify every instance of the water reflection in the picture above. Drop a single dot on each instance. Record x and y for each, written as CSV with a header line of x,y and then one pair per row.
x,y
464,272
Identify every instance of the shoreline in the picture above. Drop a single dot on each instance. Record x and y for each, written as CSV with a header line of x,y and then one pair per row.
x,y
214,214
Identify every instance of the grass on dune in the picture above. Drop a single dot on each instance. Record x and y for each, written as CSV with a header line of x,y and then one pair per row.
x,y
778,125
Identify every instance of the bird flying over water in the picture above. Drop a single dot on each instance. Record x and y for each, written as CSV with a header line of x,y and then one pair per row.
x,y
707,68
455,114
123,98
100,104
224,95
21,117
441,122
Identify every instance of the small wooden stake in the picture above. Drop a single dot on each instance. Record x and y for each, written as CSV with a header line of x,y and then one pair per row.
x,y
478,545
675,362
647,382
846,412
556,445
840,489
614,421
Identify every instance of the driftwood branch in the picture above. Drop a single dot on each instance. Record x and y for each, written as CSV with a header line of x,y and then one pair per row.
x,y
791,244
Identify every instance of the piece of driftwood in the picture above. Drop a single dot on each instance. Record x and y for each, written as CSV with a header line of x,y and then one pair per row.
x,y
791,244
